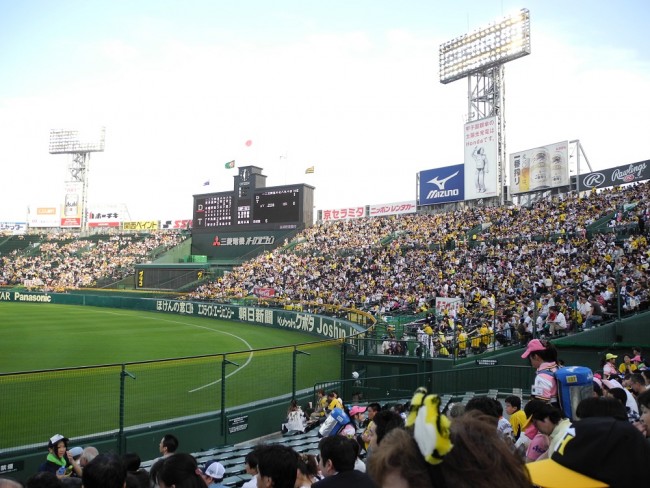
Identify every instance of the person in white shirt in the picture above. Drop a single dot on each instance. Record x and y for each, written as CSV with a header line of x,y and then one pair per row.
x,y
556,320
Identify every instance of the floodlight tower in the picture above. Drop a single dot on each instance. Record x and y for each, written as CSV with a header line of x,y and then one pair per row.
x,y
480,56
80,144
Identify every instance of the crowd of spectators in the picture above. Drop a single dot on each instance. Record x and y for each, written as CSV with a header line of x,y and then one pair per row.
x,y
508,265
62,261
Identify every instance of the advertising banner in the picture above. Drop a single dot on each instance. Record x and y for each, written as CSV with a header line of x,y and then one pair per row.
x,y
344,213
176,224
107,215
71,211
619,175
44,216
141,225
448,305
539,168
396,208
14,228
442,185
323,326
481,159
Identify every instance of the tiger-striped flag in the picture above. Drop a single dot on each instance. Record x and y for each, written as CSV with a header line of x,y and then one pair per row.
x,y
309,170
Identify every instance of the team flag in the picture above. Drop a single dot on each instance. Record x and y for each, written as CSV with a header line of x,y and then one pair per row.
x,y
230,164
207,183
309,170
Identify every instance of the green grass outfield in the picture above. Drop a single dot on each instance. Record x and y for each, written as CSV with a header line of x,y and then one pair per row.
x,y
85,401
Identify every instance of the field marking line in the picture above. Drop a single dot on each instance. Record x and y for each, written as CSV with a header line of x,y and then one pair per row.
x,y
250,348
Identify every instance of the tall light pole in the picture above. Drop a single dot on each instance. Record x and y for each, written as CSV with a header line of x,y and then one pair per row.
x,y
80,144
479,56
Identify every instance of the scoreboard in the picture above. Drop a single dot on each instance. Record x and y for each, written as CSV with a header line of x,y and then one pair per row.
x,y
168,276
276,206
252,205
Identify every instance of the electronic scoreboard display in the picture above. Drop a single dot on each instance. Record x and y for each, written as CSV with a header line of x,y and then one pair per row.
x,y
276,206
252,205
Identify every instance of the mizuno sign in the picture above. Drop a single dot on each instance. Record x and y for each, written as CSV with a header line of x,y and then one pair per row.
x,y
442,185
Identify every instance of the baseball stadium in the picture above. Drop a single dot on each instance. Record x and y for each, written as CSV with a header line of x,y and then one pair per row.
x,y
116,332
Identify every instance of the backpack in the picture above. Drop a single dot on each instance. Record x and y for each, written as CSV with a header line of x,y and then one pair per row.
x,y
574,384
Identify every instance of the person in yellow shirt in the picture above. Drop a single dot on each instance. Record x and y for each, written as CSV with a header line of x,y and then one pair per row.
x,y
333,401
518,418
462,342
627,366
484,332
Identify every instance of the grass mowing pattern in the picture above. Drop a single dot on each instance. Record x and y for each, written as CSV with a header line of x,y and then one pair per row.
x,y
86,401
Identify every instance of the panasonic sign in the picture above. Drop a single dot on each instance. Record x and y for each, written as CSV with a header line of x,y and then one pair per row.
x,y
442,185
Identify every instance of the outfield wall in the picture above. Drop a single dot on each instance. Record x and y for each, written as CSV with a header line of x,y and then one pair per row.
x,y
318,325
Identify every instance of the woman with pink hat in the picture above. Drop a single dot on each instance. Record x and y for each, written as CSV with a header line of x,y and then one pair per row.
x,y
543,357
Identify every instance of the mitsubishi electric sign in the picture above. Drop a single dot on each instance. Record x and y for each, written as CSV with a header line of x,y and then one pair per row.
x,y
442,185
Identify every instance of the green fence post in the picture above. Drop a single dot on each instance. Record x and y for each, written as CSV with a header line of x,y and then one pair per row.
x,y
121,441
224,427
294,369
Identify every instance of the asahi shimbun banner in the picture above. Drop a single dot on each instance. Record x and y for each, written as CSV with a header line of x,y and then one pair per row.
x,y
71,214
539,168
620,175
481,159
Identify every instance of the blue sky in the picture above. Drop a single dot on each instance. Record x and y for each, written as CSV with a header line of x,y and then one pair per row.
x,y
350,87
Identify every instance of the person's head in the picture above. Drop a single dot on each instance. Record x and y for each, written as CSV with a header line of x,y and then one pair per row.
x,y
540,351
637,383
212,472
477,450
546,418
168,444
250,462
88,455
611,358
104,471
277,466
456,410
513,403
646,376
373,408
592,450
131,461
385,421
308,465
337,454
636,351
601,407
43,479
179,471
619,394
58,445
488,406
358,413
